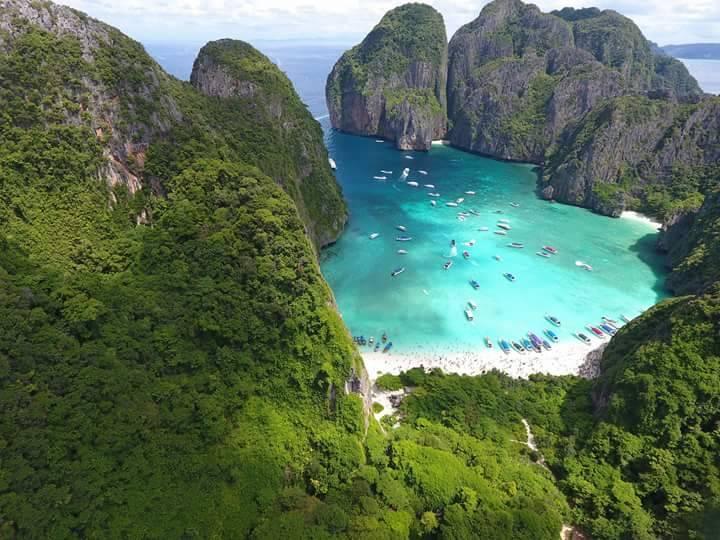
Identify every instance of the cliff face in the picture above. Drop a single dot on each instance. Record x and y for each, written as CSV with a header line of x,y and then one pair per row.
x,y
253,92
393,84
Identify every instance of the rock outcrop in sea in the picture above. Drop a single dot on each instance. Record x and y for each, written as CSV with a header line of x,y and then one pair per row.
x,y
613,120
393,84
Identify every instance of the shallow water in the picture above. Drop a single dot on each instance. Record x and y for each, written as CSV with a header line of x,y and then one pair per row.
x,y
424,306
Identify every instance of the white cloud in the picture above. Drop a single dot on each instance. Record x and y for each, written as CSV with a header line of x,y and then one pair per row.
x,y
663,21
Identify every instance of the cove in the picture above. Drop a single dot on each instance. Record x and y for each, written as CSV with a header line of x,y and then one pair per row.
x,y
424,306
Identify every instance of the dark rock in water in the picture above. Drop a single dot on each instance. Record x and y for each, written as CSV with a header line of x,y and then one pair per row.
x,y
393,84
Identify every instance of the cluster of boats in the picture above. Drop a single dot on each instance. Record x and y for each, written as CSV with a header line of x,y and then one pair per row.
x,y
531,342
377,345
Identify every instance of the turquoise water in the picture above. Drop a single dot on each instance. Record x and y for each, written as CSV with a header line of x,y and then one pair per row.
x,y
424,306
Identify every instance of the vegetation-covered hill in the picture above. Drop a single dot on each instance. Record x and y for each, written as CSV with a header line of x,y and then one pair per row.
x,y
393,83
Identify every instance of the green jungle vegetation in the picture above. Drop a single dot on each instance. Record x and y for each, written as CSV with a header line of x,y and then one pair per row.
x,y
172,366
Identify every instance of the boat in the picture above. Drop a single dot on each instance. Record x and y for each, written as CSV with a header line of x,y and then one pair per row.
x,y
542,254
534,338
433,203
402,252
516,245
463,214
514,205
379,177
609,321
499,212
553,320
409,157
469,193
461,218
371,340
466,254
469,314
551,250
552,335
509,276
374,235
529,346
472,305
413,184
488,342
475,284
387,347
379,141
582,337
459,200
433,194
386,172
584,265
470,243
384,337
447,265
519,348
546,344
595,331
501,233
504,346
474,212
504,226
484,229
397,271
609,330
377,346
497,257
403,238
406,171
402,228
503,220
422,172
451,204
625,319
430,186
332,163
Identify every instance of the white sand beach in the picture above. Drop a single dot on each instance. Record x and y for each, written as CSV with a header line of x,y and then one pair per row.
x,y
563,359
635,216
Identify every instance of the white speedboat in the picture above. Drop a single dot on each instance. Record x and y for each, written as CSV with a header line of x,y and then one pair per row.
x,y
433,194
583,265
413,184
497,257
469,193
501,233
459,200
503,221
430,186
402,251
422,172
451,204
397,271
472,305
379,177
514,205
461,218
402,228
484,229
404,174
447,265
332,163
374,235
386,172
409,157
504,226
469,314
433,203
379,141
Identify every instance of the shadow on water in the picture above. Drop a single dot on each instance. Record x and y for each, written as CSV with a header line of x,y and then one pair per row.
x,y
646,249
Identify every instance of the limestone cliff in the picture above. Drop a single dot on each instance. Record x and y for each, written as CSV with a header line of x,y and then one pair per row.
x,y
393,84
253,92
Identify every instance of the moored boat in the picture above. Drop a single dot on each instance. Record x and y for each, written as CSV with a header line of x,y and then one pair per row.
x,y
514,205
582,337
475,284
610,331
518,348
472,305
542,254
488,342
509,276
474,212
380,177
397,271
431,186
470,243
459,200
451,204
553,320
484,229
497,257
552,335
413,184
466,254
386,172
402,228
447,265
433,194
550,250
516,245
422,172
402,252
388,347
469,193
584,265
625,319
374,235
504,346
546,344
530,346
433,203
501,233
403,238
504,226
595,331
332,163
469,314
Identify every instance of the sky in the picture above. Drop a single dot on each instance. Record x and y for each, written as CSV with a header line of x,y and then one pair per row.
x,y
347,21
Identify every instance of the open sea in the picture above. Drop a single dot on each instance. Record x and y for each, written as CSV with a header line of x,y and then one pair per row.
x,y
423,307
